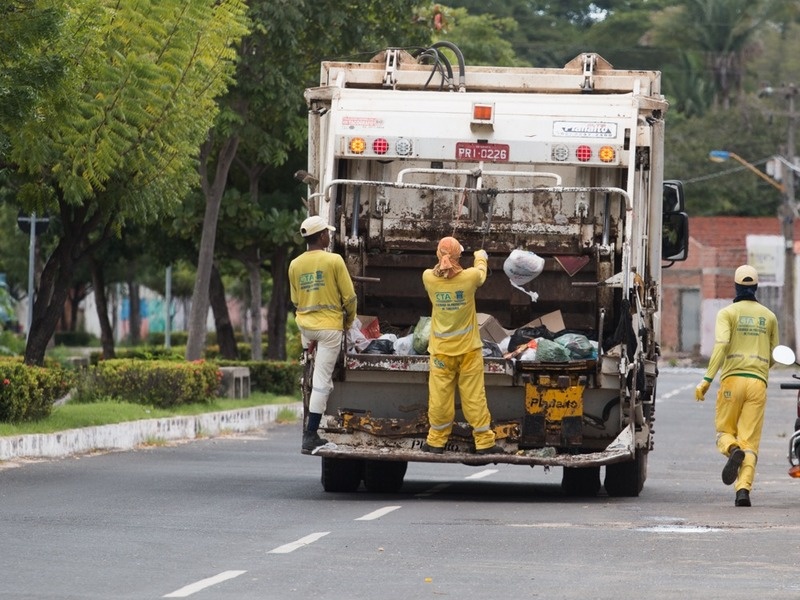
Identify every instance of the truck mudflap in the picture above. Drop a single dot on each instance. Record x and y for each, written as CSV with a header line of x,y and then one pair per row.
x,y
622,449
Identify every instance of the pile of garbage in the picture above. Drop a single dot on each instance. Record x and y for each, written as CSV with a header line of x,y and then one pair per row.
x,y
527,344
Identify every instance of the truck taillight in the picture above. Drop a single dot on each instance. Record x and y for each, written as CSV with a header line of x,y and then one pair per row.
x,y
402,147
606,154
583,153
357,145
380,146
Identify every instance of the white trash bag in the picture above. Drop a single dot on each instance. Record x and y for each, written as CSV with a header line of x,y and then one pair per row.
x,y
521,267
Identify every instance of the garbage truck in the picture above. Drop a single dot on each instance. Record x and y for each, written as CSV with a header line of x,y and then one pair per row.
x,y
565,163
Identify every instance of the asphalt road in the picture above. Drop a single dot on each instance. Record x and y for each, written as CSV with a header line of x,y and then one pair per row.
x,y
245,517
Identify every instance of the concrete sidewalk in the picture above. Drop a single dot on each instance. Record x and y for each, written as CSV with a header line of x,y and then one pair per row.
x,y
125,436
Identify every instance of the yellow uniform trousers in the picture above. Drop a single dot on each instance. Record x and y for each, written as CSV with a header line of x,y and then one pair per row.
x,y
466,372
739,417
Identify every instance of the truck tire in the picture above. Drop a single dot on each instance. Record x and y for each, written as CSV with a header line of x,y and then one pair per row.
x,y
580,481
384,476
627,479
341,474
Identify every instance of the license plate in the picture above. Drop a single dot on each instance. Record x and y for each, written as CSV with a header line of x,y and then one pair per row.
x,y
485,152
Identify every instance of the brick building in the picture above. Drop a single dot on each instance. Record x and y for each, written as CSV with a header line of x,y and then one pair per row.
x,y
694,290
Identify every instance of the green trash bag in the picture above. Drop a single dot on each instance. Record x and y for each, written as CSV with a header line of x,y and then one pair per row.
x,y
422,331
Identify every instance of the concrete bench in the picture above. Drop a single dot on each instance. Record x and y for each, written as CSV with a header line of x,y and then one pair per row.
x,y
235,382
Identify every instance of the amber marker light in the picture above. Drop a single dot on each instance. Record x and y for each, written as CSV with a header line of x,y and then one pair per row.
x,y
357,145
606,154
482,112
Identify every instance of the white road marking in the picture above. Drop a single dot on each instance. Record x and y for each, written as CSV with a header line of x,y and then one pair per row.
x,y
676,392
192,588
303,541
377,514
482,474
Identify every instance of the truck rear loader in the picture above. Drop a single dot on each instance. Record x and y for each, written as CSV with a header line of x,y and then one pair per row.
x,y
566,163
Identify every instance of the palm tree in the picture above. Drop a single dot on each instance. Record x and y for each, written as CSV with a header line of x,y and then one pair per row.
x,y
721,31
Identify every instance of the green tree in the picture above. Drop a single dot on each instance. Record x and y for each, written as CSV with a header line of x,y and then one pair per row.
x,y
721,31
117,141
25,72
264,115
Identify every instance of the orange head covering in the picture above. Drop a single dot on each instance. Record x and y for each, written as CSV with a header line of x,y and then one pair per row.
x,y
448,252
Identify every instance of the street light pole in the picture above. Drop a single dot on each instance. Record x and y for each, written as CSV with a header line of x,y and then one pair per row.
x,y
789,210
786,214
788,329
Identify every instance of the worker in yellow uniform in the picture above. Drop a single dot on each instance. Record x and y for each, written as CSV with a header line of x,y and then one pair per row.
x,y
746,332
456,349
325,300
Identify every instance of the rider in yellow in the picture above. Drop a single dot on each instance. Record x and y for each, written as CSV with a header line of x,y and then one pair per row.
x,y
323,294
456,349
746,332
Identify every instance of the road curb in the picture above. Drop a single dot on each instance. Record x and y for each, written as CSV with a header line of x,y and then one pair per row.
x,y
125,436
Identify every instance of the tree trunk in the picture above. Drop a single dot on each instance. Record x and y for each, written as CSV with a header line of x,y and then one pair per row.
x,y
254,271
222,319
53,290
101,300
135,313
213,195
278,311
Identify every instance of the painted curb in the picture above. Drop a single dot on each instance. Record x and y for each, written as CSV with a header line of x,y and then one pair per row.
x,y
125,436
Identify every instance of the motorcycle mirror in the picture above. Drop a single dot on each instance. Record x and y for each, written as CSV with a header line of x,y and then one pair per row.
x,y
783,355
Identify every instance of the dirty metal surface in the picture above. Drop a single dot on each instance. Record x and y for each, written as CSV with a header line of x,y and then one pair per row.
x,y
416,362
540,456
361,446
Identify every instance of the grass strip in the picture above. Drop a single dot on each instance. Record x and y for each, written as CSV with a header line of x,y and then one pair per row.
x,y
75,415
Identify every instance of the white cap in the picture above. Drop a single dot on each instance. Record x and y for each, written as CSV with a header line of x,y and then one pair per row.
x,y
314,225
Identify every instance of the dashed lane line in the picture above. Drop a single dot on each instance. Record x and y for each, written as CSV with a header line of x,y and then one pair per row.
x,y
303,541
377,514
197,586
482,474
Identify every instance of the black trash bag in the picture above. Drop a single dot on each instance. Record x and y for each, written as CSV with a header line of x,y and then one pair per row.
x,y
379,346
491,350
523,335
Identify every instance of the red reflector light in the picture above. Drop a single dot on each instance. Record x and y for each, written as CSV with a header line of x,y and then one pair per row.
x,y
583,153
482,112
380,146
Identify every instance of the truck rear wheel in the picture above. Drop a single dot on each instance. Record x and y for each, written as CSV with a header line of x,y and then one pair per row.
x,y
384,476
627,479
580,481
341,474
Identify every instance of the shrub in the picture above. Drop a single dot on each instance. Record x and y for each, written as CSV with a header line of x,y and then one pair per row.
x,y
160,383
275,377
75,338
176,338
28,393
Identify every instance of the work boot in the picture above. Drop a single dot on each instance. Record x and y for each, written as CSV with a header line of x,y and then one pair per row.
x,y
312,441
731,469
743,497
431,449
491,450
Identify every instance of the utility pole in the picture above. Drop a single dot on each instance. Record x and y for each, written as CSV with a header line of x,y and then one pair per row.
x,y
787,215
788,329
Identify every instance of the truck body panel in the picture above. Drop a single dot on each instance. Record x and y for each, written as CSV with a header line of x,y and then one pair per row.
x,y
566,163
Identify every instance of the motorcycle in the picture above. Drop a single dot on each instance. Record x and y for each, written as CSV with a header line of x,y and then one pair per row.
x,y
786,356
